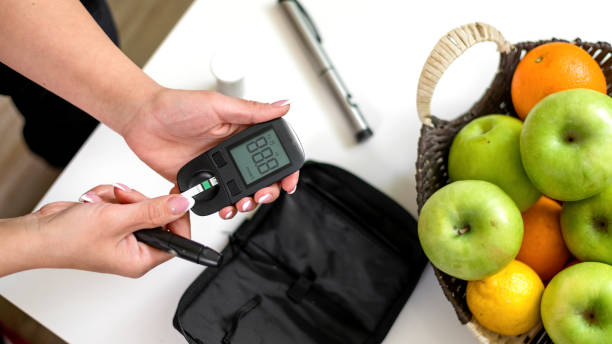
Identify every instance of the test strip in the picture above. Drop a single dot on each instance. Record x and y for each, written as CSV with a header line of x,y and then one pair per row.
x,y
201,187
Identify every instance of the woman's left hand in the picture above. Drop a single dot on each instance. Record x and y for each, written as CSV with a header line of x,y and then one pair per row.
x,y
177,125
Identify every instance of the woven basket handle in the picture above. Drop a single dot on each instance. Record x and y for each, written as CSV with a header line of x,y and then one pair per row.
x,y
449,48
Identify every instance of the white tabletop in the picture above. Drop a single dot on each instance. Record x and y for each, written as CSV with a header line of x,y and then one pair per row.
x,y
379,48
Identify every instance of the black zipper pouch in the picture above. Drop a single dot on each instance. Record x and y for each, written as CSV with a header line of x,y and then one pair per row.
x,y
333,263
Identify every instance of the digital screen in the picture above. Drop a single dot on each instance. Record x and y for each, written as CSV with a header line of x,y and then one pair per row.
x,y
259,156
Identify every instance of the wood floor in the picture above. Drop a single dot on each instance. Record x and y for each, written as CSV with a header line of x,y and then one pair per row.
x,y
142,24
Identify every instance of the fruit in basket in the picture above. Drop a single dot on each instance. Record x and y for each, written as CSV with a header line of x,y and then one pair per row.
x,y
507,302
550,68
566,144
470,229
587,227
487,148
577,305
543,248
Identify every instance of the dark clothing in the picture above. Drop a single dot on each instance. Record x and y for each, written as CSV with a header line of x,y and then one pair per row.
x,y
54,128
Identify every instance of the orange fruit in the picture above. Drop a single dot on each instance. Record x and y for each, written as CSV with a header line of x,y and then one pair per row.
x,y
550,68
543,248
507,302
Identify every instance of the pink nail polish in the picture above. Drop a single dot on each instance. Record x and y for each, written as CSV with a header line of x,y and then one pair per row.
x,y
264,199
85,199
281,103
89,197
292,190
229,215
180,204
246,206
122,187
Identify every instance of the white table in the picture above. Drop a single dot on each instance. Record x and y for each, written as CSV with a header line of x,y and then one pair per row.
x,y
379,48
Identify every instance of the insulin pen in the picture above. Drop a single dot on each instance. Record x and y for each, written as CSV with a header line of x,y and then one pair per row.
x,y
312,39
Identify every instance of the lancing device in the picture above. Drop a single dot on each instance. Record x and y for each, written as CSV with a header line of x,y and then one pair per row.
x,y
312,39
179,246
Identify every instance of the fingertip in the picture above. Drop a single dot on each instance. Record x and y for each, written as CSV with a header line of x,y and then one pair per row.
x,y
227,213
121,187
246,204
289,183
90,197
265,198
126,195
268,194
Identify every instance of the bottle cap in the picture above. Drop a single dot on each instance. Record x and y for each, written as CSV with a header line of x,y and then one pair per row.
x,y
228,69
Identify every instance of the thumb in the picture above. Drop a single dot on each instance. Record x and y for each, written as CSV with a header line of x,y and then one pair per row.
x,y
153,212
241,111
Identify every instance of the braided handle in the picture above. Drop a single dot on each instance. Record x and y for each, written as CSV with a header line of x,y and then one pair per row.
x,y
449,48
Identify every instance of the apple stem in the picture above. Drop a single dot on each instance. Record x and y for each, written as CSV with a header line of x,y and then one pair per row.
x,y
601,224
462,230
589,316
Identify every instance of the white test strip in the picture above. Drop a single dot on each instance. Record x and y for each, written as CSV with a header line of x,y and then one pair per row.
x,y
201,187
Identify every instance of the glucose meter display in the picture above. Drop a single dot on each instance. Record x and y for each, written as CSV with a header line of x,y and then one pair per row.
x,y
259,156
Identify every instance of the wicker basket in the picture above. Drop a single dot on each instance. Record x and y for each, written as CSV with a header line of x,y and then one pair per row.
x,y
437,136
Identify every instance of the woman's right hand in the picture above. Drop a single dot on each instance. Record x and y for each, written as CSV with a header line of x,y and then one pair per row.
x,y
96,235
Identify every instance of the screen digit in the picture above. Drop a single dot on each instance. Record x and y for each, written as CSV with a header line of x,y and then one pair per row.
x,y
252,146
272,163
267,153
262,142
263,168
257,157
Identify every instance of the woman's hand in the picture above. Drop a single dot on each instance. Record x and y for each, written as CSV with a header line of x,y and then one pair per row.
x,y
95,235
165,128
176,126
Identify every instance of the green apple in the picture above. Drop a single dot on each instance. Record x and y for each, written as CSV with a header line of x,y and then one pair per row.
x,y
576,305
488,148
587,227
470,229
566,144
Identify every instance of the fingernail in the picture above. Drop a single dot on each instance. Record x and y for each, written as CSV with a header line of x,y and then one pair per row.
x,y
85,199
265,198
292,190
246,205
180,204
229,215
89,197
122,187
281,103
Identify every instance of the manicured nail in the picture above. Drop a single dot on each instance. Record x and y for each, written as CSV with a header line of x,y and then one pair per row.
x,y
122,187
180,204
281,103
89,197
265,198
229,215
292,190
85,199
246,205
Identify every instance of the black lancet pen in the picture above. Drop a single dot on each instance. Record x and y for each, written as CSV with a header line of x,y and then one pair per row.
x,y
179,246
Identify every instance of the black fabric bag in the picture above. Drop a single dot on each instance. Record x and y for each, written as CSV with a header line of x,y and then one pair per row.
x,y
333,263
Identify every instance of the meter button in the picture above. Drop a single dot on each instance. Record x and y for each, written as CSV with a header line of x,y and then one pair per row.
x,y
233,187
218,159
